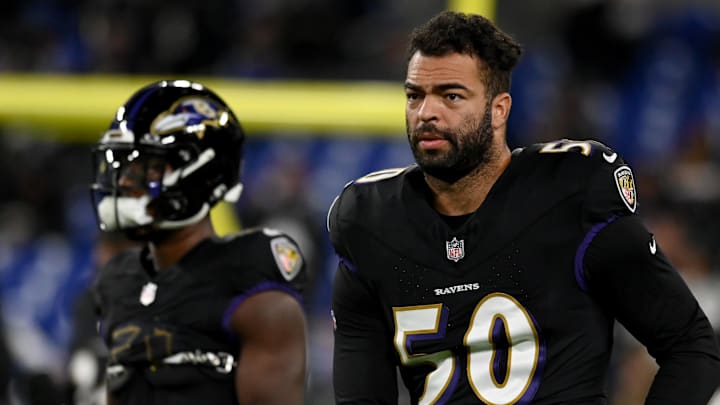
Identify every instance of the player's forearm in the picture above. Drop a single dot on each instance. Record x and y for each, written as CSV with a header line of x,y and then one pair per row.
x,y
687,379
362,377
271,380
282,390
271,397
365,392
689,367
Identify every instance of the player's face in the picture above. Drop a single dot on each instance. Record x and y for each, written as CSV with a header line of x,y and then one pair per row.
x,y
447,115
140,175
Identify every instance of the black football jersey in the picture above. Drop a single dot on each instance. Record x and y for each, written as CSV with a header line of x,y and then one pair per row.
x,y
498,310
168,334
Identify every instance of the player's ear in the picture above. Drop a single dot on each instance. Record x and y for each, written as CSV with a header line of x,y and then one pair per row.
x,y
500,109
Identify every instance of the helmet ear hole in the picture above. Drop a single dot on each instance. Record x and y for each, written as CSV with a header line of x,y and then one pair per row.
x,y
185,156
167,205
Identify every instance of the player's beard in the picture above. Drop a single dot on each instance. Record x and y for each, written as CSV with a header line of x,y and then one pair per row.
x,y
470,148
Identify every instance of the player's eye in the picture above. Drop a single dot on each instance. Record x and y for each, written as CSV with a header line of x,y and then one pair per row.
x,y
411,96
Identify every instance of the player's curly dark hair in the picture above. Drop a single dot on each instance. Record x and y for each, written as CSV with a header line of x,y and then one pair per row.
x,y
469,34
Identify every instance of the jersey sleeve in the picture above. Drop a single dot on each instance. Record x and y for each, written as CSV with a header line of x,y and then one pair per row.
x,y
335,225
363,362
632,278
265,260
354,207
268,260
610,190
364,369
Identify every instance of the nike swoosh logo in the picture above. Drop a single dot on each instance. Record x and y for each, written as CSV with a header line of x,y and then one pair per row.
x,y
653,246
610,158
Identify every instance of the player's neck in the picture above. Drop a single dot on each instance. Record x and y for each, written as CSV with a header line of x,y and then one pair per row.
x,y
172,249
466,195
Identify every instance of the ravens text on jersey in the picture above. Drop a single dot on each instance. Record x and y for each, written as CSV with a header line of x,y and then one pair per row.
x,y
515,305
487,276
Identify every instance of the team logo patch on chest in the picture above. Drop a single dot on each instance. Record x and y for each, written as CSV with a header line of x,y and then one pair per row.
x,y
287,257
455,249
626,187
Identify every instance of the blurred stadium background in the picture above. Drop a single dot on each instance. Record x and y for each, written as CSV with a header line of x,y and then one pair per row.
x,y
317,85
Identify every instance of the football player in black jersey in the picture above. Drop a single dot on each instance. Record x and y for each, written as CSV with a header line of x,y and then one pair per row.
x,y
491,276
191,318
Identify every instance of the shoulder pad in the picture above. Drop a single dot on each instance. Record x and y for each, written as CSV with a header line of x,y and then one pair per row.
x,y
607,180
363,185
380,175
585,156
256,243
572,148
372,188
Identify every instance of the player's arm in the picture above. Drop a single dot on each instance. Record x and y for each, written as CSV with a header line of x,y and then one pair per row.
x,y
364,370
363,365
272,362
628,272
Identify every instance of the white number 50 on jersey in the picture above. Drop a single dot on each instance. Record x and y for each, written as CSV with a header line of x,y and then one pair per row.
x,y
425,322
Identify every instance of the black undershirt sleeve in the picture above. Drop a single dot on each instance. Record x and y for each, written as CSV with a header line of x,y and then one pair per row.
x,y
364,370
630,276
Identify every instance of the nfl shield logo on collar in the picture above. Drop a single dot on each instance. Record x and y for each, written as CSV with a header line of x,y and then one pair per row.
x,y
147,295
455,249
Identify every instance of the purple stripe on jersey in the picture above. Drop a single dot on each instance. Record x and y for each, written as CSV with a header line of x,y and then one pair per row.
x,y
262,287
580,254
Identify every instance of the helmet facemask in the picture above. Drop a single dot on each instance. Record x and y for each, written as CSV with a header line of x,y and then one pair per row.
x,y
128,185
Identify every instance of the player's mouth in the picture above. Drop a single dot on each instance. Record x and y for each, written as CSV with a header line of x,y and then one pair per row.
x,y
430,140
429,137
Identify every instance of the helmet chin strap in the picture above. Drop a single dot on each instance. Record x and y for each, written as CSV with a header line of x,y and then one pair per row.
x,y
119,213
230,196
202,212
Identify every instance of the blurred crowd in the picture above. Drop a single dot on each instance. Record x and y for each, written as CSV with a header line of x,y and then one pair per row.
x,y
642,76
